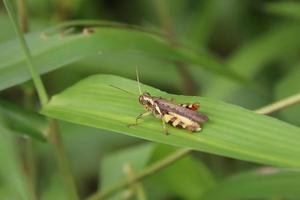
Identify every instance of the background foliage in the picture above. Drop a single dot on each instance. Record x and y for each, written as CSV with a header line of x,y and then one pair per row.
x,y
244,53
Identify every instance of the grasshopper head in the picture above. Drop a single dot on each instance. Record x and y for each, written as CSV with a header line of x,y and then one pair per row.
x,y
146,99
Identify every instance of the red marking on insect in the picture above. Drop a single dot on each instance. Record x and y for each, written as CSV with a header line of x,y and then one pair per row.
x,y
195,106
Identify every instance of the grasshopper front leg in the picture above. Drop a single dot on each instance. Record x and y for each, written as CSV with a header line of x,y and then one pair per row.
x,y
140,116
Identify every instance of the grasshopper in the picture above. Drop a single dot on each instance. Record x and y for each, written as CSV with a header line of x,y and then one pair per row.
x,y
178,115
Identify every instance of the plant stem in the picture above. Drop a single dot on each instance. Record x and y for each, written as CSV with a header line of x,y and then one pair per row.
x,y
29,162
141,175
22,13
280,104
53,132
63,163
30,168
181,153
35,76
135,187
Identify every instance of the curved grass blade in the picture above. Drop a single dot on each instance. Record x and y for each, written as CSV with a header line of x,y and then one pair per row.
x,y
231,131
50,52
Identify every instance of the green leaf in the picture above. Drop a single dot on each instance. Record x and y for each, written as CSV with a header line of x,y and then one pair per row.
x,y
12,178
113,164
94,143
53,51
252,58
54,188
265,183
287,9
194,177
203,22
112,167
22,121
6,34
231,131
288,86
259,52
126,64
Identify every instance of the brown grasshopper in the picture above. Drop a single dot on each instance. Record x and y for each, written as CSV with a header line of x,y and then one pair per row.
x,y
178,115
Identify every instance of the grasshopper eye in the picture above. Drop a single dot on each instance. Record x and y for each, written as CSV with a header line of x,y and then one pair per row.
x,y
141,99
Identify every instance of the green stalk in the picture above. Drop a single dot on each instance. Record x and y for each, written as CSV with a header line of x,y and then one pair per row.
x,y
36,78
63,162
29,162
22,14
289,101
30,168
141,175
53,132
136,187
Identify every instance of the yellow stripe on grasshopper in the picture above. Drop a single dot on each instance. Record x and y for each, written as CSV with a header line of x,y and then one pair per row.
x,y
185,122
167,118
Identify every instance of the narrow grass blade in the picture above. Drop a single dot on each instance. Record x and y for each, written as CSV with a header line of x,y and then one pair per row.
x,y
22,121
12,176
289,9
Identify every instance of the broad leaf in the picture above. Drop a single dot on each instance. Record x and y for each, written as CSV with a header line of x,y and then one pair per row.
x,y
51,51
231,130
265,183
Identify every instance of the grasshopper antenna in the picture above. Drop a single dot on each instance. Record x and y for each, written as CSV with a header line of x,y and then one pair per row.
x,y
138,80
122,90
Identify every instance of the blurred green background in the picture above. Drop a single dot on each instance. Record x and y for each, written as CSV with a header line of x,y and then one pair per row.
x,y
256,40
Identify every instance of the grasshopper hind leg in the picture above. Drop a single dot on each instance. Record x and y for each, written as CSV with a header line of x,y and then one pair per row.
x,y
167,119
